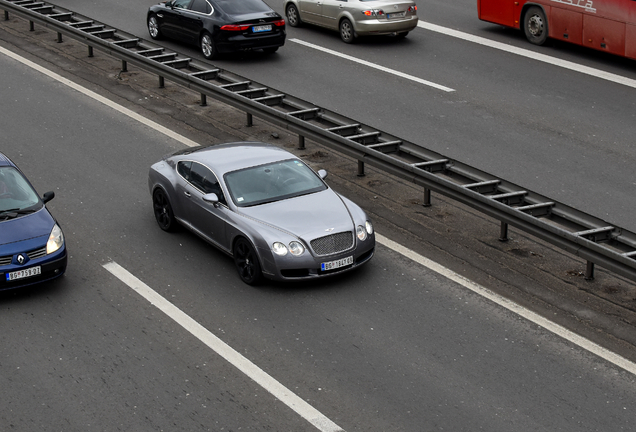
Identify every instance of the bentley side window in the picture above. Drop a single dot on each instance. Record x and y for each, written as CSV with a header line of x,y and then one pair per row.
x,y
183,168
205,180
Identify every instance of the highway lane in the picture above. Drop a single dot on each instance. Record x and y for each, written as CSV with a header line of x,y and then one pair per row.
x,y
555,131
391,347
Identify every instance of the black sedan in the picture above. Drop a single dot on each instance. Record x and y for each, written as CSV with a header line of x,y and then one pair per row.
x,y
218,26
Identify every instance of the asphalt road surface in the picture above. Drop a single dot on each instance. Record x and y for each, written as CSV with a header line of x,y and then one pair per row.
x,y
394,346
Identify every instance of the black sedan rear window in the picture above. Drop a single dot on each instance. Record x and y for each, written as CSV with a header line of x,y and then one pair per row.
x,y
234,7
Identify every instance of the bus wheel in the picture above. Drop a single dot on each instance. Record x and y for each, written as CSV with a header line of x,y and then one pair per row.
x,y
535,25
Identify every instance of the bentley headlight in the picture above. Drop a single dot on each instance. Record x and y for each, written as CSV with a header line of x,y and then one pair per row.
x,y
368,227
279,249
296,248
361,232
56,240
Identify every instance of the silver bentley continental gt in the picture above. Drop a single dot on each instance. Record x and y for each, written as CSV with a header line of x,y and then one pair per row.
x,y
353,18
264,207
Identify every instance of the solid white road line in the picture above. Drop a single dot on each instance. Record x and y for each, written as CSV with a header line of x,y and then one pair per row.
x,y
373,65
511,306
279,391
530,54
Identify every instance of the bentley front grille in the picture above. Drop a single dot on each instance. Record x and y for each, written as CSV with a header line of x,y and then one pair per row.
x,y
333,243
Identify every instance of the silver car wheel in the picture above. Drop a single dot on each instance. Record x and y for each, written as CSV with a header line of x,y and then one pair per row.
x,y
293,17
207,46
346,31
153,27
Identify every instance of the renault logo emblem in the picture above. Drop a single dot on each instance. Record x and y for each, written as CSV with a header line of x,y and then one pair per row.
x,y
21,259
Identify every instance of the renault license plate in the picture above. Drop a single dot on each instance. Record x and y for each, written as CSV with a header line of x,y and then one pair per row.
x,y
21,274
261,28
336,264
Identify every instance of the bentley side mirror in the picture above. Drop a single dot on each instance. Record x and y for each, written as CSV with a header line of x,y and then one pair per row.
x,y
211,198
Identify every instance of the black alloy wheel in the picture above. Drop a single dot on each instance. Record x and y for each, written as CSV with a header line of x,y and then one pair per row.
x,y
246,262
163,211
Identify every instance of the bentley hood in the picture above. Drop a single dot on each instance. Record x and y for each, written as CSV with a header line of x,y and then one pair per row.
x,y
308,216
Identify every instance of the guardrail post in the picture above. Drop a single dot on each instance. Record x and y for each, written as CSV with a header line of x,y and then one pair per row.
x,y
301,142
162,82
59,37
360,169
427,197
204,100
503,236
249,120
90,51
589,271
124,68
31,26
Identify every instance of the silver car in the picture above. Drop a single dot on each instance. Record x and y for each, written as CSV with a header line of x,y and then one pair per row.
x,y
353,18
263,206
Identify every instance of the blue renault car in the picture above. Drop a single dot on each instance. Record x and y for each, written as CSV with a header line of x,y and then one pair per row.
x,y
32,247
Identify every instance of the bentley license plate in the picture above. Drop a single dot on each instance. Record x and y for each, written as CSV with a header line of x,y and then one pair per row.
x,y
21,274
337,263
261,28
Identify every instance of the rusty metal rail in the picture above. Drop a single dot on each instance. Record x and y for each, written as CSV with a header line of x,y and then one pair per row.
x,y
583,235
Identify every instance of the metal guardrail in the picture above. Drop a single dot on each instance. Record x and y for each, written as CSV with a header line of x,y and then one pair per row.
x,y
581,234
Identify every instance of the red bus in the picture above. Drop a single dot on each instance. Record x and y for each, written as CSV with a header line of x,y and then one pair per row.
x,y
606,25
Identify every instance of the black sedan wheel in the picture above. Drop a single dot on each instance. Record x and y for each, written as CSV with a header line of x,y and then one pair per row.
x,y
153,27
346,31
293,17
163,211
246,262
207,46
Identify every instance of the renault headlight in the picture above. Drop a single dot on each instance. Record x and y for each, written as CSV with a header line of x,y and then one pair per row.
x,y
56,240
